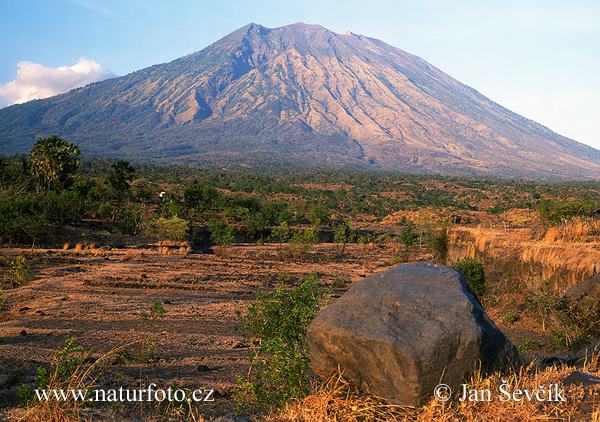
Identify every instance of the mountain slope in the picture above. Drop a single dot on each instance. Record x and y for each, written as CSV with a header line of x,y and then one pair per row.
x,y
300,93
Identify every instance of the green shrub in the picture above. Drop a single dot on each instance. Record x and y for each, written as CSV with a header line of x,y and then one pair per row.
x,y
20,218
571,323
510,317
282,233
173,228
61,373
555,213
221,233
275,327
18,271
473,271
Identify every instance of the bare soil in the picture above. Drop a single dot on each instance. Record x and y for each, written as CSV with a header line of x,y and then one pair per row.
x,y
98,295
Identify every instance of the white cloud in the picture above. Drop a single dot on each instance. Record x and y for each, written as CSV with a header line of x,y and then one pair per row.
x,y
35,81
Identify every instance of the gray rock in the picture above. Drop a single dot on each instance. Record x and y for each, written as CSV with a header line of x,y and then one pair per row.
x,y
399,333
588,288
229,418
580,378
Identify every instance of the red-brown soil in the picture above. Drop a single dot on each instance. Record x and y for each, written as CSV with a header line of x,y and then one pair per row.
x,y
99,294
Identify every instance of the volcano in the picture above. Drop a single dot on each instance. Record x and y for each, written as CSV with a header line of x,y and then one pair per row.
x,y
300,94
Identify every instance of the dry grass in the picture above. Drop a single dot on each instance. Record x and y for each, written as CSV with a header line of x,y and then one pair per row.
x,y
566,254
78,248
66,246
337,401
127,257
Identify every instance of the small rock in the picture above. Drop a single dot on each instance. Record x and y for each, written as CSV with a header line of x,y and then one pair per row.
x,y
579,378
167,302
229,418
24,309
23,333
203,368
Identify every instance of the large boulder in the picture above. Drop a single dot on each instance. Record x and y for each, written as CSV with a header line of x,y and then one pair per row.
x,y
399,333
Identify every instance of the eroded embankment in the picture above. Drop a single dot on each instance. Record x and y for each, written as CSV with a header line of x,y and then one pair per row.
x,y
515,258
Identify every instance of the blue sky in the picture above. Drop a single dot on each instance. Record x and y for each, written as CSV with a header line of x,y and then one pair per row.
x,y
539,58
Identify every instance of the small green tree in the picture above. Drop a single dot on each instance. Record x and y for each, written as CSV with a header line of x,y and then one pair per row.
x,y
53,160
275,327
120,174
408,237
342,233
221,233
18,271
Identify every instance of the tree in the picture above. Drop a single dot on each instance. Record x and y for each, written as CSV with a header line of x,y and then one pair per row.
x,y
119,175
53,160
408,237
342,233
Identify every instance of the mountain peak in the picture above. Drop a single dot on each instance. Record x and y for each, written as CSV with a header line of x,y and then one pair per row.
x,y
300,93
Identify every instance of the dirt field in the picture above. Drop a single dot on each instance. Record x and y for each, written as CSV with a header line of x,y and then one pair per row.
x,y
98,294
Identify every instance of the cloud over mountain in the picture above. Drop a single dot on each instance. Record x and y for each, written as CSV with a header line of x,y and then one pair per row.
x,y
35,81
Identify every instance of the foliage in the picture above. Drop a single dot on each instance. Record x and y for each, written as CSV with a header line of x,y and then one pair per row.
x,y
148,321
342,233
119,175
275,327
510,317
201,196
571,323
554,213
221,233
173,228
142,188
545,304
18,271
529,345
60,374
409,237
318,215
473,271
53,160
20,217
282,233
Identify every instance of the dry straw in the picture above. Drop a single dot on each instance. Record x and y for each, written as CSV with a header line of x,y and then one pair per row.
x,y
338,401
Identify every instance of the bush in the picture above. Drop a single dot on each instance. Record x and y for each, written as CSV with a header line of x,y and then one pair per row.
x,y
510,317
555,213
572,323
221,233
18,271
19,218
66,365
473,271
275,327
173,228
